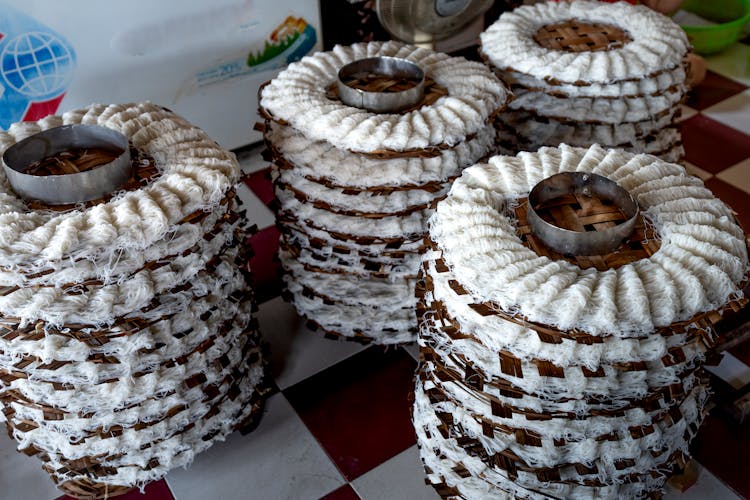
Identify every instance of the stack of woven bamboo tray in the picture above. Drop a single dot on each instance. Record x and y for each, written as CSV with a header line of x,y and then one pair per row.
x,y
569,376
590,73
127,337
355,187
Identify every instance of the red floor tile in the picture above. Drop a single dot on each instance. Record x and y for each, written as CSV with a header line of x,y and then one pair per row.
x,y
711,145
260,183
346,492
734,197
264,265
722,447
715,88
358,409
154,491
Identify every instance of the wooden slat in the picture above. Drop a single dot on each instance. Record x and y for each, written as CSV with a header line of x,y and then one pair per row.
x,y
581,213
579,36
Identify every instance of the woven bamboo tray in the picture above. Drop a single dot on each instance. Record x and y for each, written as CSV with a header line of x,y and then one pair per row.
x,y
439,368
322,205
11,329
558,93
331,265
526,437
430,187
251,349
504,464
579,83
195,217
294,232
441,325
358,337
251,352
351,261
475,380
284,217
28,365
701,325
96,466
672,117
311,293
655,116
433,92
230,217
273,155
437,322
92,490
575,35
647,137
510,463
519,144
21,369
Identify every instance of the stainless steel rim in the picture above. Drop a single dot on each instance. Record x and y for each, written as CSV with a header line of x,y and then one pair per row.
x,y
68,188
569,242
381,102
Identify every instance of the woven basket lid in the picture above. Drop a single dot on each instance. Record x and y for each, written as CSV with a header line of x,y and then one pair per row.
x,y
585,42
699,266
318,159
299,97
34,234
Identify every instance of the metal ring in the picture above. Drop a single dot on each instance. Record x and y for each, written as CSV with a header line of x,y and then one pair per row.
x,y
381,102
67,188
569,242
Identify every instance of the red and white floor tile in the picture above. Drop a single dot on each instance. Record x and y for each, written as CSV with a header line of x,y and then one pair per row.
x,y
338,426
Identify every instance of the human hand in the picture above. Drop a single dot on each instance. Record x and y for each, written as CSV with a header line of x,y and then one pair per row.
x,y
696,69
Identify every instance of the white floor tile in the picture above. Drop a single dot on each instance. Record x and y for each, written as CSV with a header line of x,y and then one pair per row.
x,y
297,352
733,63
279,460
687,112
734,111
412,349
737,175
250,159
708,487
697,171
257,212
732,370
22,477
400,477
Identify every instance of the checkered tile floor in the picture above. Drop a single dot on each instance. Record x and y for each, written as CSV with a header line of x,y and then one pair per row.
x,y
338,425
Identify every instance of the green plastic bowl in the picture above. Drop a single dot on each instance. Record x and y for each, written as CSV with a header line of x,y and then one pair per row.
x,y
730,17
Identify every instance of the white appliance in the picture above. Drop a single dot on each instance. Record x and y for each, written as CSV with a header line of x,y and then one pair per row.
x,y
203,59
443,25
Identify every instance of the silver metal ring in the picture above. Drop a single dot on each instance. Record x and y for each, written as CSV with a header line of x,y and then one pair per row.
x,y
381,102
569,242
67,188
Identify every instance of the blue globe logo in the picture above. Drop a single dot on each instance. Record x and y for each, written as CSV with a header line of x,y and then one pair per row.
x,y
38,65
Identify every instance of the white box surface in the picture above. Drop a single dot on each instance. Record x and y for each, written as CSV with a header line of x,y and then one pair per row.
x,y
204,59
